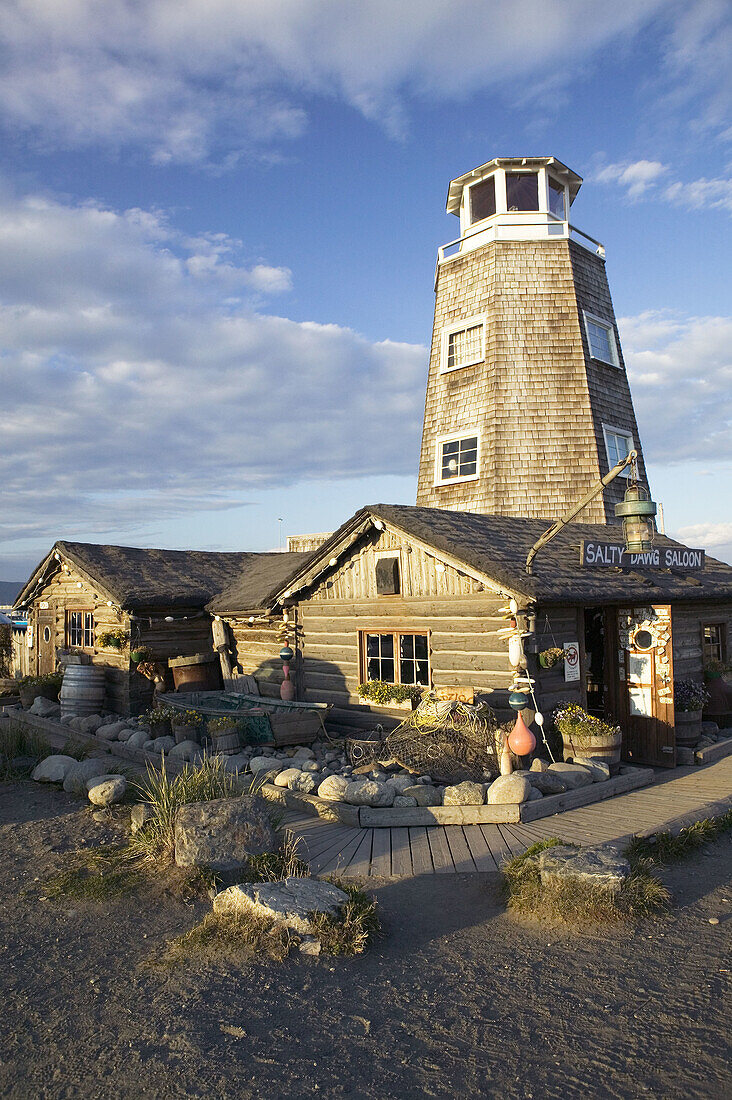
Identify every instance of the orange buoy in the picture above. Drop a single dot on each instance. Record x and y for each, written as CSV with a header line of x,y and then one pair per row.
x,y
521,740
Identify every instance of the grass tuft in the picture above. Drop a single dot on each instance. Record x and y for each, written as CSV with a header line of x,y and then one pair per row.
x,y
17,741
274,866
353,930
662,848
232,937
195,783
78,747
98,874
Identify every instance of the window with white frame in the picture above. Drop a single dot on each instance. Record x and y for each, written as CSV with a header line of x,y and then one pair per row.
x,y
618,444
463,344
80,629
457,459
557,205
601,340
395,658
482,200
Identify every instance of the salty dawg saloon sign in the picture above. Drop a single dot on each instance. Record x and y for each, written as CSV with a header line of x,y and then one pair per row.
x,y
599,554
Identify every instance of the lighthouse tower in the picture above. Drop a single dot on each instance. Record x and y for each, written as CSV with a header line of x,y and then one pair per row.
x,y
528,403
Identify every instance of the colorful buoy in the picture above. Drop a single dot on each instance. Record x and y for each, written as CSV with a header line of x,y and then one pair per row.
x,y
521,740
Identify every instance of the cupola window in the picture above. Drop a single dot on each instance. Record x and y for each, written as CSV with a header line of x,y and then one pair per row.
x,y
522,191
556,199
482,200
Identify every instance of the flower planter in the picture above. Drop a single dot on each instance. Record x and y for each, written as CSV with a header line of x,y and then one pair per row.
x,y
391,704
604,749
688,728
185,732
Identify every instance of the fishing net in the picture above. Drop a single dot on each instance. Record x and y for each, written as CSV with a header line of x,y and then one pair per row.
x,y
449,741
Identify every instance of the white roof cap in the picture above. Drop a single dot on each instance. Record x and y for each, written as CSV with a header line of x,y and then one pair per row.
x,y
455,190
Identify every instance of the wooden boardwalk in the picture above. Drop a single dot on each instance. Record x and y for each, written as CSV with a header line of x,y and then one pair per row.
x,y
676,798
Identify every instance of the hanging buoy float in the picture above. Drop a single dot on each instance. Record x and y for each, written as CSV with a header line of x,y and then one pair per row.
x,y
521,740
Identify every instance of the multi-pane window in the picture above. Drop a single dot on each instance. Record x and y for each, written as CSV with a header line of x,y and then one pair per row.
x,y
463,346
556,199
522,191
601,340
482,200
458,458
80,629
713,638
618,445
396,658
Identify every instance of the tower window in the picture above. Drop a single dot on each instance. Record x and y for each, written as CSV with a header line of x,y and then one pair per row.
x,y
601,340
482,200
618,444
522,191
457,459
556,199
463,344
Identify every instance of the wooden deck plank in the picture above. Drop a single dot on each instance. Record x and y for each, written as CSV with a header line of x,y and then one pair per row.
x,y
479,848
360,862
337,862
401,854
421,854
327,843
381,853
499,849
515,846
460,852
441,856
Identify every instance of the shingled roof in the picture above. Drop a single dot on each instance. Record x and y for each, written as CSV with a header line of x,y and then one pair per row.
x,y
138,578
496,546
258,582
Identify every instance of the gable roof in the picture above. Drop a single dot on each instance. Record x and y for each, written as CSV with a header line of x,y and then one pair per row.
x,y
138,578
496,547
258,582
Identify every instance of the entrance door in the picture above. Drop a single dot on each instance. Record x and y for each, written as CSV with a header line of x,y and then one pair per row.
x,y
646,685
46,643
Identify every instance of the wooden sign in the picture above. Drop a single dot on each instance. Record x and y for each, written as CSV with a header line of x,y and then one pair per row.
x,y
571,661
604,554
456,694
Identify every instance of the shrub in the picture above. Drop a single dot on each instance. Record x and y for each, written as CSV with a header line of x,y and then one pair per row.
x,y
112,639
186,717
382,693
224,724
690,695
49,679
159,716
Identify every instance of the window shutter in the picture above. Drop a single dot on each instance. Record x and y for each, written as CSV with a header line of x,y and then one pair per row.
x,y
387,576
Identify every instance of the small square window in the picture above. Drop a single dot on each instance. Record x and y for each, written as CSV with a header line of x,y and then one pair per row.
x,y
713,638
457,459
463,344
522,191
601,340
482,200
379,658
618,445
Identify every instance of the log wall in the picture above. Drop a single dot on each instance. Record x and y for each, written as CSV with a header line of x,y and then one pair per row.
x,y
255,650
687,623
554,626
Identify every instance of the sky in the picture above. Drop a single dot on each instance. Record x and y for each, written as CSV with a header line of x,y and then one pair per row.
x,y
218,228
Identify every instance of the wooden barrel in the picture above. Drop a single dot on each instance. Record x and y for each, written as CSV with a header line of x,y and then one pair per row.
x,y
687,725
606,750
82,691
227,744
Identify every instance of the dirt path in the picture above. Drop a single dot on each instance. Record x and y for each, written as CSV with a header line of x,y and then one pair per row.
x,y
456,1000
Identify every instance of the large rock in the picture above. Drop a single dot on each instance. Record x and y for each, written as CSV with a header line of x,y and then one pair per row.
x,y
333,788
106,791
305,783
222,834
539,765
596,866
162,744
138,739
185,750
53,769
301,754
45,708
424,794
76,777
110,731
264,764
282,779
368,792
546,782
400,782
572,775
404,800
464,794
140,815
508,790
599,770
290,902
90,723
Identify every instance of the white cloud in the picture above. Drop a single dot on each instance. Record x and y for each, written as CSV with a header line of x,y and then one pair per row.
x,y
191,78
637,176
680,371
713,537
700,194
139,379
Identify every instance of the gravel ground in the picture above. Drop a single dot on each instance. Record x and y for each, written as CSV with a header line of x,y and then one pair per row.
x,y
456,999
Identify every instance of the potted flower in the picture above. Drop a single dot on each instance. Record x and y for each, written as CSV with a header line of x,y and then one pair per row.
x,y
48,685
225,733
141,654
112,639
159,719
548,658
584,735
186,725
397,696
690,698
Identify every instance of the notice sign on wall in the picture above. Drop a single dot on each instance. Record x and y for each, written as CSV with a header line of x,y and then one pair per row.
x,y
571,661
659,557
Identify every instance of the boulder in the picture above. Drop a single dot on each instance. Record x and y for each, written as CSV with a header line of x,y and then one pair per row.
x,y
684,757
76,777
90,723
236,763
162,744
400,782
310,766
110,731
539,765
404,800
222,834
601,865
367,792
53,769
140,815
289,902
282,779
138,739
424,794
508,790
464,794
264,764
305,783
709,729
598,768
534,793
572,775
302,753
125,733
333,788
44,708
546,782
107,791
185,750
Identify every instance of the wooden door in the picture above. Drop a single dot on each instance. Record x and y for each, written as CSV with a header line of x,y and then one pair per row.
x,y
645,689
46,643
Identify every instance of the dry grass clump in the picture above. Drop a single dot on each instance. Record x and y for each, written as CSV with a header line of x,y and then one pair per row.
x,y
97,874
78,747
353,930
641,895
195,783
274,866
235,937
16,741
662,848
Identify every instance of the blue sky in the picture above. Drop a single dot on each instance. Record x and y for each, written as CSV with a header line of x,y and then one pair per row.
x,y
218,227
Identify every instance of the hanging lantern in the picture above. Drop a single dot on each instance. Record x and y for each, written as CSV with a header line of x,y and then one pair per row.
x,y
521,740
517,700
637,511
